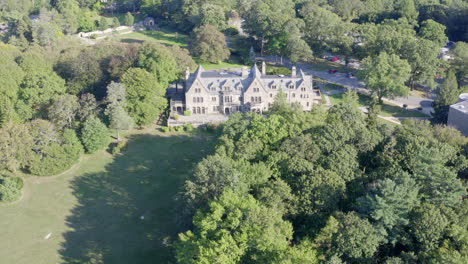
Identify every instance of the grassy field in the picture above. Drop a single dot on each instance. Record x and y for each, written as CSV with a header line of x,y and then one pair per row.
x,y
163,36
387,109
211,66
325,65
93,211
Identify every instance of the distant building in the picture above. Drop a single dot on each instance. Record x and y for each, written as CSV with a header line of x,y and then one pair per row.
x,y
212,92
458,114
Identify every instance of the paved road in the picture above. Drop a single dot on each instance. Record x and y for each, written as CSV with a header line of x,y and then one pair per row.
x,y
355,84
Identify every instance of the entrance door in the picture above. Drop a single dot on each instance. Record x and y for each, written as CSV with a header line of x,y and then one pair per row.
x,y
226,111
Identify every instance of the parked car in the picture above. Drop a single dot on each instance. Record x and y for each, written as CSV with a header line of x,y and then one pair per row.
x,y
350,74
332,71
335,59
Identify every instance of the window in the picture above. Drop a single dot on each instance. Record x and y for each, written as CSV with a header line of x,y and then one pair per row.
x,y
215,108
228,99
291,86
307,103
271,95
273,86
195,99
303,89
197,90
213,99
294,95
227,88
256,90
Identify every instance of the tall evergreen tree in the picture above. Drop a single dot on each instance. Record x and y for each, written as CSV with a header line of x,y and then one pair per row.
x,y
448,95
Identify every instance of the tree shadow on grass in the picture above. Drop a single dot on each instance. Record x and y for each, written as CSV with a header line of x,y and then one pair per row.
x,y
126,214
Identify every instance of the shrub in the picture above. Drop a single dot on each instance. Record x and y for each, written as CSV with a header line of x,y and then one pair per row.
x,y
10,188
165,129
177,117
212,127
189,127
93,36
118,147
187,113
179,128
57,158
94,135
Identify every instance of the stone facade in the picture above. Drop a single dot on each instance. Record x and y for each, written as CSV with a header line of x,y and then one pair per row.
x,y
211,92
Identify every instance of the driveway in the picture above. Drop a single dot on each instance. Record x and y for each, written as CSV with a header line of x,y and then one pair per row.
x,y
355,84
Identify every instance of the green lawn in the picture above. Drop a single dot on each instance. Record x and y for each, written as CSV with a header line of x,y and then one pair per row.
x,y
332,87
163,36
325,65
211,66
94,210
387,109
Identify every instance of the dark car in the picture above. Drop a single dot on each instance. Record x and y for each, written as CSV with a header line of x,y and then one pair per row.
x,y
332,71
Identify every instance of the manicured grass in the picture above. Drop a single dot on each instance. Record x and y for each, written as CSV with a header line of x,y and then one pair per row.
x,y
162,36
94,210
211,66
386,110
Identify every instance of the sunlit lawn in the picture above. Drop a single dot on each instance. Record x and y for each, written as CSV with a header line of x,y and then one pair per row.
x,y
162,36
94,211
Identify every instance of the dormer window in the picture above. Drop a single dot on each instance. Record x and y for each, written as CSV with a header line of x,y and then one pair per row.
x,y
291,86
273,86
256,90
197,90
303,89
227,88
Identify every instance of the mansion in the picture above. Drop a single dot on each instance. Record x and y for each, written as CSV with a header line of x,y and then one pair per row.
x,y
212,92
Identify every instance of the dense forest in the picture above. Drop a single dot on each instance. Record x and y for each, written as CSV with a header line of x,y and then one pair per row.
x,y
327,186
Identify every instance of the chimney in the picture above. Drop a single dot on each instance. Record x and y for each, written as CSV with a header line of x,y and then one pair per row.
x,y
245,72
293,71
187,73
263,68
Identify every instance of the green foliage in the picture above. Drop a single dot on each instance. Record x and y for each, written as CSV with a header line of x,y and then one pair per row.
x,y
10,188
189,127
159,60
115,22
145,101
94,135
117,148
235,227
433,31
448,95
103,23
209,45
386,75
428,227
15,147
52,157
187,113
129,20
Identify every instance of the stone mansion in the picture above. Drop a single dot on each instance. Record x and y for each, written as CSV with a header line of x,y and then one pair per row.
x,y
213,92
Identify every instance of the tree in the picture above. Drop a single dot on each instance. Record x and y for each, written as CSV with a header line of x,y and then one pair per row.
x,y
10,188
64,110
386,75
129,19
213,15
448,95
15,147
428,227
145,101
88,106
115,22
209,44
433,31
390,202
349,237
94,135
103,23
70,11
118,117
239,228
265,20
160,61
407,9
298,50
